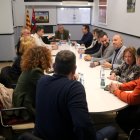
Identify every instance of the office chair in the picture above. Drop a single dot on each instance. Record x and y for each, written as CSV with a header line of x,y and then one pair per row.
x,y
14,121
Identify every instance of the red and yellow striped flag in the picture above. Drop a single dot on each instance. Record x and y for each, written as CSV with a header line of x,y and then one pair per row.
x,y
28,22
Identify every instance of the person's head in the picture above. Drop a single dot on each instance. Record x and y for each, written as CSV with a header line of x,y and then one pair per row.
x,y
97,33
129,55
117,41
40,30
26,42
61,28
25,31
85,29
138,56
37,57
94,32
65,63
103,39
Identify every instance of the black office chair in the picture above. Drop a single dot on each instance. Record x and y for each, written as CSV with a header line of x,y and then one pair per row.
x,y
13,122
28,136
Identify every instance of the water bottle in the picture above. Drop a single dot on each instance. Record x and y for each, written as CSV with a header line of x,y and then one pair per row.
x,y
102,76
80,54
82,78
69,42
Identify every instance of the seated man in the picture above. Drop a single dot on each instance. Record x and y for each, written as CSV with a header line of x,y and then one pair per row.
x,y
38,38
117,58
87,36
61,106
95,46
129,117
105,51
61,33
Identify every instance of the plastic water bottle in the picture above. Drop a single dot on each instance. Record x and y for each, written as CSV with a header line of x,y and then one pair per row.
x,y
80,54
69,42
102,76
82,78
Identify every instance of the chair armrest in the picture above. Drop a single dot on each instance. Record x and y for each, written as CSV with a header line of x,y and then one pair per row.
x,y
9,117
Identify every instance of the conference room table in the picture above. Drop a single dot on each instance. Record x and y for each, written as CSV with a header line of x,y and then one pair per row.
x,y
99,100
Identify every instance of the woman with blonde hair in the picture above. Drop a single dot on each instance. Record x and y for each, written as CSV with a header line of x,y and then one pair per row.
x,y
34,62
26,42
25,31
10,74
128,71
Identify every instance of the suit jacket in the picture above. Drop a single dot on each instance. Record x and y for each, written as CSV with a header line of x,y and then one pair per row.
x,y
86,39
65,35
118,60
99,56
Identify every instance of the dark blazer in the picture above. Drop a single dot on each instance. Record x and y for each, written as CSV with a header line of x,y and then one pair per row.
x,y
86,39
95,48
10,74
65,35
61,110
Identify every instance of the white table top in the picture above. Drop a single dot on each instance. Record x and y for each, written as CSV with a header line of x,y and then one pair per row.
x,y
49,34
98,100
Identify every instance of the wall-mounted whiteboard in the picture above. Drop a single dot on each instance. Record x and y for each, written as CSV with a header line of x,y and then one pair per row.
x,y
73,15
6,18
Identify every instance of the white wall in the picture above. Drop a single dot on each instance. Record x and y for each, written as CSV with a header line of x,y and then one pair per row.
x,y
19,12
118,19
6,18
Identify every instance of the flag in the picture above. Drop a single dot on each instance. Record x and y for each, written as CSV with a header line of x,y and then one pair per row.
x,y
33,26
28,22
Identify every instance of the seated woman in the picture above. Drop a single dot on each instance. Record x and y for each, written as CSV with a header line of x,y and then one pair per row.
x,y
10,74
34,62
128,70
129,117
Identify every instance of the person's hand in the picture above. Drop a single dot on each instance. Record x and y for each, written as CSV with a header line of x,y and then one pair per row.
x,y
75,77
81,51
94,64
113,87
87,58
54,47
50,36
53,43
107,65
112,77
74,43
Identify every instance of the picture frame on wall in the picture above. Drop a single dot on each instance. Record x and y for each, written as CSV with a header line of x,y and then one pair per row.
x,y
131,6
42,16
102,14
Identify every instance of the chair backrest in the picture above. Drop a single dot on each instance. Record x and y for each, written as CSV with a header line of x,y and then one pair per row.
x,y
28,136
134,134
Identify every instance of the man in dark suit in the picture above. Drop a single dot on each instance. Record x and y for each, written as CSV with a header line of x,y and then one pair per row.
x,y
61,33
61,106
87,36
